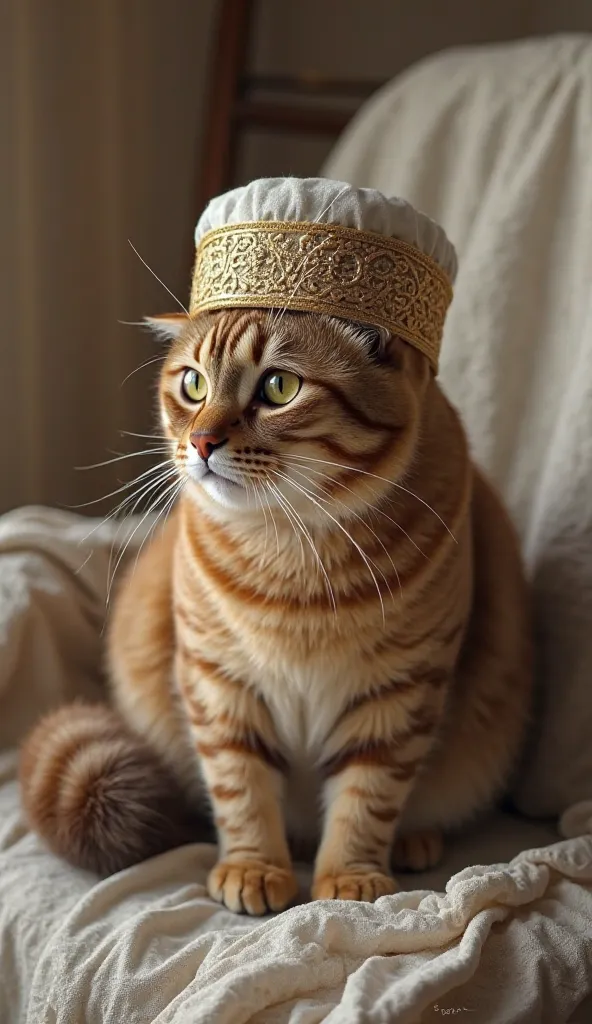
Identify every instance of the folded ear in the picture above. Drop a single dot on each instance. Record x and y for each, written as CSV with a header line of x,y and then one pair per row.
x,y
169,325
374,339
383,346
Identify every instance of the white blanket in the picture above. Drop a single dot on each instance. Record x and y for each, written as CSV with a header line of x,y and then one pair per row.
x,y
503,944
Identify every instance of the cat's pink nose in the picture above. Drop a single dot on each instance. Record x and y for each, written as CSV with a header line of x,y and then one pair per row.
x,y
205,443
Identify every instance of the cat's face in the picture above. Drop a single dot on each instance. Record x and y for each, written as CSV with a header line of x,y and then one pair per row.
x,y
296,411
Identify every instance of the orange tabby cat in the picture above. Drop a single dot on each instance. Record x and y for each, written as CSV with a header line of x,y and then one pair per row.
x,y
330,635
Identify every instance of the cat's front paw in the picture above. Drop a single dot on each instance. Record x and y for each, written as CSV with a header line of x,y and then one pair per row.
x,y
366,886
252,887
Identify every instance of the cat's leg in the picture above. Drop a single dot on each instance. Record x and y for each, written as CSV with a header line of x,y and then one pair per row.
x,y
353,859
242,767
377,750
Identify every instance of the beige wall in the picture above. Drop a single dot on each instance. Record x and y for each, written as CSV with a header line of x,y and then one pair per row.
x,y
100,122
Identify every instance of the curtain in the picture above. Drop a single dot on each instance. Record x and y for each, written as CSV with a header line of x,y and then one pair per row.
x,y
100,113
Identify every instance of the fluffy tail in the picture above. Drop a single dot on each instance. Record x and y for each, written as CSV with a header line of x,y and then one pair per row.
x,y
97,794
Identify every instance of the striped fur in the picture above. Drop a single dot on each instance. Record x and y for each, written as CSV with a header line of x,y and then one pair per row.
x,y
335,651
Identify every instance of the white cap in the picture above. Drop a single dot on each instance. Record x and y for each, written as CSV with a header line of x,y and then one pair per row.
x,y
327,247
322,201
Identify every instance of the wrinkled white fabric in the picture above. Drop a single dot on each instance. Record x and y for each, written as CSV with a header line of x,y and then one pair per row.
x,y
496,144
319,201
507,943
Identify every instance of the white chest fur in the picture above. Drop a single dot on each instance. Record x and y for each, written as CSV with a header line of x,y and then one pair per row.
x,y
304,702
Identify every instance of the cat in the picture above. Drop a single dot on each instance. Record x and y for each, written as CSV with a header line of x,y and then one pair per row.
x,y
329,641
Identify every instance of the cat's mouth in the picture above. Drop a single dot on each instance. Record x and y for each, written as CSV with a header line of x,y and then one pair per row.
x,y
225,490
217,475
223,484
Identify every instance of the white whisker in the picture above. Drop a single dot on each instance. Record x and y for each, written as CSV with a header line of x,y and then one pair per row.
x,y
282,505
142,491
151,437
148,362
373,508
173,296
334,501
393,483
86,561
259,497
124,487
304,529
302,268
127,543
137,497
362,554
277,536
165,509
120,457
172,502
366,527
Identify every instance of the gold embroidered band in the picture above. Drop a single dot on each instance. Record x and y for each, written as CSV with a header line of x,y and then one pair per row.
x,y
325,268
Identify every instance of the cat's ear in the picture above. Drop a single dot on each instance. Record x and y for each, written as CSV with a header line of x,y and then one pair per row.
x,y
378,341
383,346
168,326
374,339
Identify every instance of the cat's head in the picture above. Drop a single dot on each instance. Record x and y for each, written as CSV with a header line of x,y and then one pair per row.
x,y
298,411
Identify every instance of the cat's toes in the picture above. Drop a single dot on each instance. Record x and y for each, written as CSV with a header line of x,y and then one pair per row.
x,y
252,887
418,851
365,886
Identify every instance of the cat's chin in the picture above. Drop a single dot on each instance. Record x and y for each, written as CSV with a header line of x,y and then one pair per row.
x,y
225,493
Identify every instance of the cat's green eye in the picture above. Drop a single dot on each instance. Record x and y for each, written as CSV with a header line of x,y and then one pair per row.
x,y
280,387
195,385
